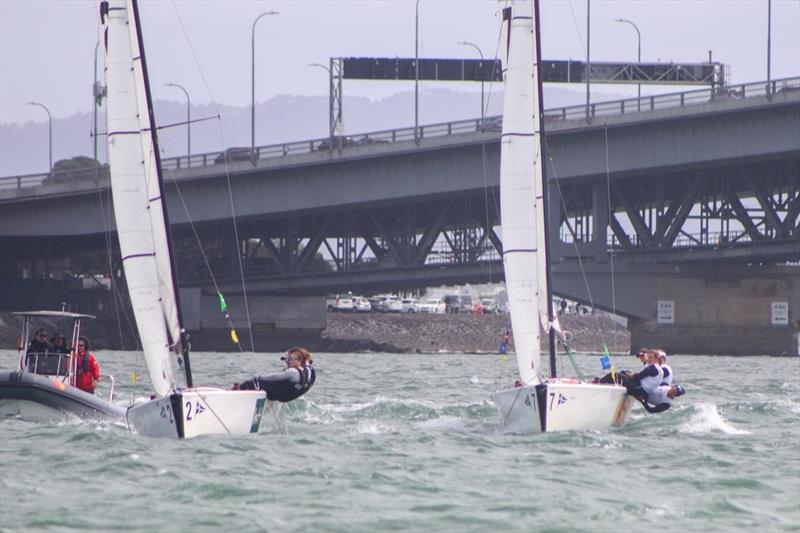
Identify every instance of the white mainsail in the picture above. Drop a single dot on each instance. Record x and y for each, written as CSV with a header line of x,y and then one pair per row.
x,y
136,195
158,225
520,193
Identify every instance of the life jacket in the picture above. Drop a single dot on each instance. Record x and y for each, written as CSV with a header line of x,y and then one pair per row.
x,y
659,396
286,391
667,379
649,383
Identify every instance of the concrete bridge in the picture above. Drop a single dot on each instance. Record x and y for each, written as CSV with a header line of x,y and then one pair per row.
x,y
692,183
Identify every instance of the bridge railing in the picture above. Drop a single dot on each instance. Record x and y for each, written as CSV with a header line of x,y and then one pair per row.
x,y
492,125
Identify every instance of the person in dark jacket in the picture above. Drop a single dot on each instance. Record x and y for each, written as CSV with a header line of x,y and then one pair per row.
x,y
288,384
38,343
58,344
88,371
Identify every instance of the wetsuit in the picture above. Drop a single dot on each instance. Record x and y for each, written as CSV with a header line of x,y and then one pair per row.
x,y
283,386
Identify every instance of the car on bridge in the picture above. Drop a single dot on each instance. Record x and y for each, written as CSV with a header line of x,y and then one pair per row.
x,y
337,141
236,153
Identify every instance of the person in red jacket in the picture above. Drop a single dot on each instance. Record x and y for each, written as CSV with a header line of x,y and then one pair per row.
x,y
88,371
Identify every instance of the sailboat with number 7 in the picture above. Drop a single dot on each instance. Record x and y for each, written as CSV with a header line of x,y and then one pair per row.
x,y
141,217
538,403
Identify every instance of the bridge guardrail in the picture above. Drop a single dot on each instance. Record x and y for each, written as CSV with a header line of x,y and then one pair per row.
x,y
491,125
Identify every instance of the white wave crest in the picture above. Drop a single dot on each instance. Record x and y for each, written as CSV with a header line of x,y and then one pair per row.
x,y
373,428
443,423
706,419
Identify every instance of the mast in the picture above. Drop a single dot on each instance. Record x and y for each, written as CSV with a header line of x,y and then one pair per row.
x,y
181,341
551,333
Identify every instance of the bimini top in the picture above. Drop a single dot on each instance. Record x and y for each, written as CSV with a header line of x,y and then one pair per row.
x,y
52,314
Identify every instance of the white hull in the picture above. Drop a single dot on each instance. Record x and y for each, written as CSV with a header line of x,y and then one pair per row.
x,y
562,405
202,411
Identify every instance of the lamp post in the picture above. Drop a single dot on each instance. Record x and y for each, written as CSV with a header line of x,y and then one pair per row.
x,y
253,83
639,53
588,61
769,46
188,122
50,118
475,46
416,75
330,99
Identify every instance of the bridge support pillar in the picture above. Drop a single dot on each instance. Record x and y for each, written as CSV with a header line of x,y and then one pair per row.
x,y
725,311
279,322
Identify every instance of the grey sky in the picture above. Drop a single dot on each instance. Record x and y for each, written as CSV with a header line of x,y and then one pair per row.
x,y
46,47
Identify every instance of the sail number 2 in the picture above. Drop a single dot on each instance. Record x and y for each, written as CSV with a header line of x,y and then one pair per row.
x,y
198,408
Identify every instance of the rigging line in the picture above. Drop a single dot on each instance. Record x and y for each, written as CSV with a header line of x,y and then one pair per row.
x,y
199,244
564,208
611,252
486,191
107,237
227,171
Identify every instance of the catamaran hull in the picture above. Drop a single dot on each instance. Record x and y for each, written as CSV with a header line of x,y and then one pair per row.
x,y
43,398
201,411
562,406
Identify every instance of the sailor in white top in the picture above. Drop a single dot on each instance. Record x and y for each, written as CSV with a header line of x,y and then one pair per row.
x,y
667,370
661,398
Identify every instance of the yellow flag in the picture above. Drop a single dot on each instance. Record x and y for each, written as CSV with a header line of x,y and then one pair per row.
x,y
614,373
504,360
133,378
234,336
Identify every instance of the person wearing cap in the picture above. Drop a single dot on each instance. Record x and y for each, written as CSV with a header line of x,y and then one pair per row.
x,y
662,362
661,398
289,384
58,344
644,382
87,369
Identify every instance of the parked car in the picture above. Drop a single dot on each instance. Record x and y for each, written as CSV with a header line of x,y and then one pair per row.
x,y
339,303
409,305
390,304
489,306
467,305
432,305
361,305
236,153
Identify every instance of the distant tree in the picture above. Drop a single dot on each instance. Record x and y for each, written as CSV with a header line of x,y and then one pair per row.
x,y
76,168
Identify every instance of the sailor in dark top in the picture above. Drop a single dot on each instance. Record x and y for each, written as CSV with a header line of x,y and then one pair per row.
x,y
642,383
58,344
288,384
38,343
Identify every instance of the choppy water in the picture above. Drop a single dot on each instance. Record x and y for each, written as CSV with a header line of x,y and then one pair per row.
x,y
411,442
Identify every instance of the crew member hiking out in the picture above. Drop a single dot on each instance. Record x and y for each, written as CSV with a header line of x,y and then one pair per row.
x,y
288,384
